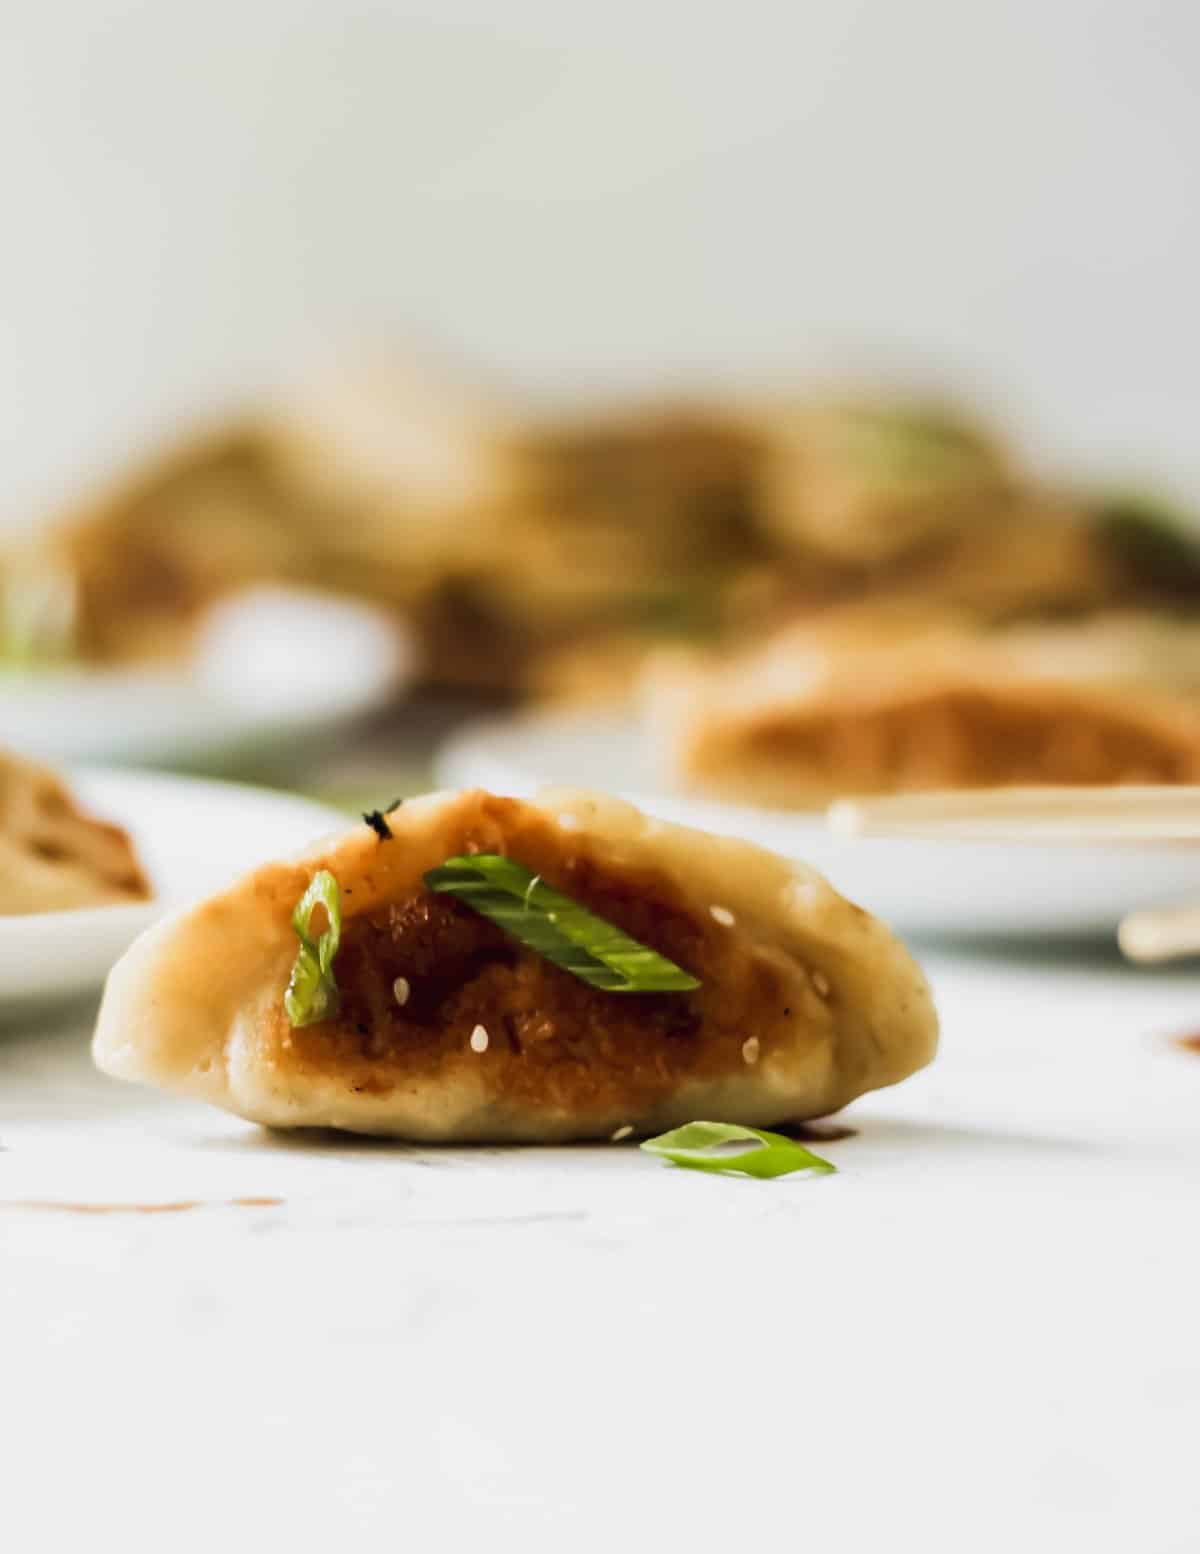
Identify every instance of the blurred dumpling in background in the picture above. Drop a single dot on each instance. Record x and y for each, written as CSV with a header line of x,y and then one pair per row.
x,y
150,553
54,856
405,468
619,527
1036,556
550,553
507,539
634,510
863,482
375,485
873,700
1052,554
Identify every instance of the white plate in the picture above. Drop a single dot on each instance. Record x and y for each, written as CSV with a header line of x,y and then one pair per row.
x,y
943,888
269,666
192,837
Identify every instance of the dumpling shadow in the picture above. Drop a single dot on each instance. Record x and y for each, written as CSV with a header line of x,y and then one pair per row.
x,y
852,1137
913,1136
306,1141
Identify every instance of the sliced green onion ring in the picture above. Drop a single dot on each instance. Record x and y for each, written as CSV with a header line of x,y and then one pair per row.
x,y
312,991
554,926
770,1154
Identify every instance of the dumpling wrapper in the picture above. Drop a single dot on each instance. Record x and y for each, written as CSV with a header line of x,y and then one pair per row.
x,y
805,1002
868,481
863,701
54,857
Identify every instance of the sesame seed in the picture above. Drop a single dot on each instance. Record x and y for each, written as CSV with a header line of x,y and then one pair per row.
x,y
750,1050
568,823
479,1039
821,982
721,915
622,1133
401,990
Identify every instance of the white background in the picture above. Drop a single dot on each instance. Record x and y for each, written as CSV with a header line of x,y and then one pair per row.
x,y
197,197
978,1337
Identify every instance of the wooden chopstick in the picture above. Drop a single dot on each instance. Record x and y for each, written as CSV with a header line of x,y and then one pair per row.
x,y
1161,933
1112,814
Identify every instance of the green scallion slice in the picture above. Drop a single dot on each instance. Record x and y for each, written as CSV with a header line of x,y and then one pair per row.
x,y
556,927
312,992
770,1154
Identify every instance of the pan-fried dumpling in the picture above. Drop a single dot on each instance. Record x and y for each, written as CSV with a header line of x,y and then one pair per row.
x,y
787,1001
54,856
864,701
868,482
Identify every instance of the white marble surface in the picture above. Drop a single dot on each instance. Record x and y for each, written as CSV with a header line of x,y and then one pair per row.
x,y
982,1334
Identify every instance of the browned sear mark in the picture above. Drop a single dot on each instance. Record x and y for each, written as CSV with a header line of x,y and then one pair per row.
x,y
434,993
550,1036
